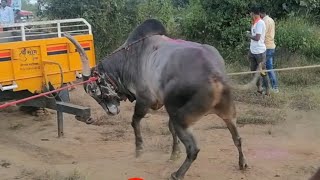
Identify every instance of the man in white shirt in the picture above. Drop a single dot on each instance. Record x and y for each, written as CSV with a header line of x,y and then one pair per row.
x,y
6,14
257,54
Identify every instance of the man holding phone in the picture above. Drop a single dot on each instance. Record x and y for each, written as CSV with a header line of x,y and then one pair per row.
x,y
257,53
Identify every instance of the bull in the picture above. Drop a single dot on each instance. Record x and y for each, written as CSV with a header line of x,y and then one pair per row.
x,y
187,78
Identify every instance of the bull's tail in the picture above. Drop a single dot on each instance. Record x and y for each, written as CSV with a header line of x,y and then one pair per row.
x,y
254,80
217,88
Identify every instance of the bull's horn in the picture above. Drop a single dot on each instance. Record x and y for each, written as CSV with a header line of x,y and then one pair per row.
x,y
84,58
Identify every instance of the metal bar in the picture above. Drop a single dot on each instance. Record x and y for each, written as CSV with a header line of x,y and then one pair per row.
x,y
10,37
23,33
74,26
84,30
59,29
63,107
10,31
89,25
49,27
48,22
73,109
41,34
60,123
11,87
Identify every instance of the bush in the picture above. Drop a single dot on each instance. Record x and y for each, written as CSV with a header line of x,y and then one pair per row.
x,y
162,10
297,35
221,23
111,20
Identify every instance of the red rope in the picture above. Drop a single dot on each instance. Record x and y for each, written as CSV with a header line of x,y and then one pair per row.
x,y
91,79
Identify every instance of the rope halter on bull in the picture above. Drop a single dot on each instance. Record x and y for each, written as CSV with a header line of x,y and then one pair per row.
x,y
106,86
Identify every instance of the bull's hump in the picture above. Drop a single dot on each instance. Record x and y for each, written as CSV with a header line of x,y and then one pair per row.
x,y
179,42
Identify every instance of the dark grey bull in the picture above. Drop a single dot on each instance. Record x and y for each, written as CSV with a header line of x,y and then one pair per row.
x,y
188,78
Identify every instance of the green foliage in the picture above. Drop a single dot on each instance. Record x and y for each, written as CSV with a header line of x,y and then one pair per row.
x,y
298,35
221,23
180,3
111,20
193,22
105,13
26,5
162,10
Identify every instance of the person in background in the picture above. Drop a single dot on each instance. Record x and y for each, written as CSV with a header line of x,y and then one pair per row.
x,y
270,45
16,6
6,15
257,53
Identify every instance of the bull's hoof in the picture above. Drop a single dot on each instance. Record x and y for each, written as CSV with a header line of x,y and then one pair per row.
x,y
139,153
243,165
175,156
174,177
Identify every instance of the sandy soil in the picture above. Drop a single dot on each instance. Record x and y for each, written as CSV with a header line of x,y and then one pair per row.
x,y
29,147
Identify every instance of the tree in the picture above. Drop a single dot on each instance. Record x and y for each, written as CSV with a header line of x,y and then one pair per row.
x,y
28,6
111,20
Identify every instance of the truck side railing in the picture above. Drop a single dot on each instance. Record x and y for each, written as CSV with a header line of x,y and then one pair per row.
x,y
44,29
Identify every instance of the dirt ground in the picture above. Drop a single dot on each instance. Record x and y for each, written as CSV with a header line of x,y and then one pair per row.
x,y
30,149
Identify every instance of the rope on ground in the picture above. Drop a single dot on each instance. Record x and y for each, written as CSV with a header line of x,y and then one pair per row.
x,y
45,94
280,69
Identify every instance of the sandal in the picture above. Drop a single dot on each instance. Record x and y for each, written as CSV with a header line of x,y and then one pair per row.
x,y
260,92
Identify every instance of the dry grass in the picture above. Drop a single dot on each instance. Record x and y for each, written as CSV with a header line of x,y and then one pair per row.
x,y
305,99
271,110
255,118
50,175
256,114
251,97
115,134
299,90
159,143
16,126
117,127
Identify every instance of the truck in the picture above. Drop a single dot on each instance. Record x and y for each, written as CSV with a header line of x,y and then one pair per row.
x,y
36,58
